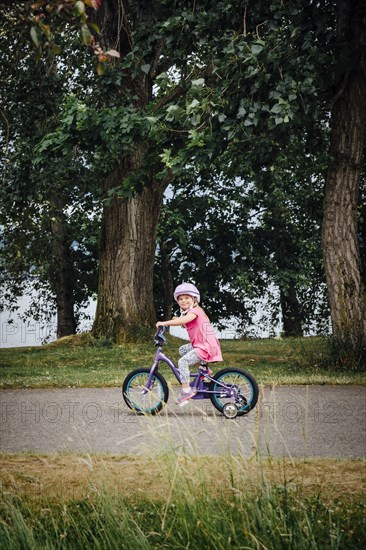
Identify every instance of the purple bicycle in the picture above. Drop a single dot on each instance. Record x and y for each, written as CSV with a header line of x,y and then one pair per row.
x,y
232,391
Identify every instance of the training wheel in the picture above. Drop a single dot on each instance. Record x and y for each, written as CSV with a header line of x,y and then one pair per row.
x,y
230,410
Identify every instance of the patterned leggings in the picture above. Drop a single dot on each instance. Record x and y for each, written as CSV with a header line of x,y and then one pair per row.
x,y
188,357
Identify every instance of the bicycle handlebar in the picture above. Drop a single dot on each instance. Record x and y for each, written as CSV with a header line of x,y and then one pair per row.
x,y
159,337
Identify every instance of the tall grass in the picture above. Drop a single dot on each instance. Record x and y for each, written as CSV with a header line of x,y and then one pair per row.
x,y
198,511
329,353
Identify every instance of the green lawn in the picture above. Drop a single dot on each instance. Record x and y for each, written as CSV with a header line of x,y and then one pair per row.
x,y
81,362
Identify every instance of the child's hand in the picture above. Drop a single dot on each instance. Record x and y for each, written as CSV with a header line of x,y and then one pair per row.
x,y
159,324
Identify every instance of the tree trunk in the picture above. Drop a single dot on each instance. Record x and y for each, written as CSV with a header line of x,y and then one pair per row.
x,y
125,294
291,312
346,290
166,281
63,285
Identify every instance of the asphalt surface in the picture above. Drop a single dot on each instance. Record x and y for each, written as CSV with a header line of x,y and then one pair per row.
x,y
289,421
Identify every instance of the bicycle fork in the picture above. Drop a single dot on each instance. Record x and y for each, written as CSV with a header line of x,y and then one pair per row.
x,y
150,382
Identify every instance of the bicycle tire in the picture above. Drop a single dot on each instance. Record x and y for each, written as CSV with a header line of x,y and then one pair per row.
x,y
153,401
249,389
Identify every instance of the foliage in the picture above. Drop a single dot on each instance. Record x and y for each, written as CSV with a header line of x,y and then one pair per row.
x,y
46,193
241,239
259,156
227,93
43,17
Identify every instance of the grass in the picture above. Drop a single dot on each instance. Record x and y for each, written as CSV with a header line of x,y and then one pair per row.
x,y
178,501
80,361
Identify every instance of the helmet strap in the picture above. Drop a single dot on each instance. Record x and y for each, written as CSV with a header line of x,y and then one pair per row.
x,y
183,313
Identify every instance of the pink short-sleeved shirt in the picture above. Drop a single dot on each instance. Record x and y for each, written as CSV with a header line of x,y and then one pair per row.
x,y
202,337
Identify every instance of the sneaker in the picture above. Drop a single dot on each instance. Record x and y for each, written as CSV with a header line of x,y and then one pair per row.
x,y
184,396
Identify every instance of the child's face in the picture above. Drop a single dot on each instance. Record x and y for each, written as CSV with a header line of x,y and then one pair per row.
x,y
185,301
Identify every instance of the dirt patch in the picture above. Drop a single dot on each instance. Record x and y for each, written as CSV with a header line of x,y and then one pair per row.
x,y
69,477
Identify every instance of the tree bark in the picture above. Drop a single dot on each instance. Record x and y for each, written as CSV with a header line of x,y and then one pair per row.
x,y
291,312
346,290
127,252
63,280
166,281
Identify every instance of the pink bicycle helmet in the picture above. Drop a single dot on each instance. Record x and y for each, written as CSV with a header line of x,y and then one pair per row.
x,y
187,288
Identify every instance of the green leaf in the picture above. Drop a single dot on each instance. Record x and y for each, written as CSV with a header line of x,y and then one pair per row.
x,y
194,104
145,68
86,35
256,49
276,108
199,82
94,26
100,68
241,112
172,108
79,8
36,36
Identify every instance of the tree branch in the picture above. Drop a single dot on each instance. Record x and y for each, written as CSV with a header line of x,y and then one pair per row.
x,y
176,92
155,60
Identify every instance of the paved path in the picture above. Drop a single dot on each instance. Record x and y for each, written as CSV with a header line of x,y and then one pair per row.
x,y
294,421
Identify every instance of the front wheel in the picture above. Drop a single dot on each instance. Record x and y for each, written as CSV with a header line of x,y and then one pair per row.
x,y
234,385
142,401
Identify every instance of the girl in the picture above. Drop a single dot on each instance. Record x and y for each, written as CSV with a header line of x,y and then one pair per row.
x,y
204,345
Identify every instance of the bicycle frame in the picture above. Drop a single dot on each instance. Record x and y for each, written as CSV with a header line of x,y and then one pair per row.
x,y
232,391
199,382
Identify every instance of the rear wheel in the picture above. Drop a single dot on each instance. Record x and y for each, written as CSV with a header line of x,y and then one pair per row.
x,y
142,401
245,386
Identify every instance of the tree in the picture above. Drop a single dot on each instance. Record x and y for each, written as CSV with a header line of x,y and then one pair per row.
x,y
215,121
204,82
46,207
294,45
250,239
152,40
346,285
